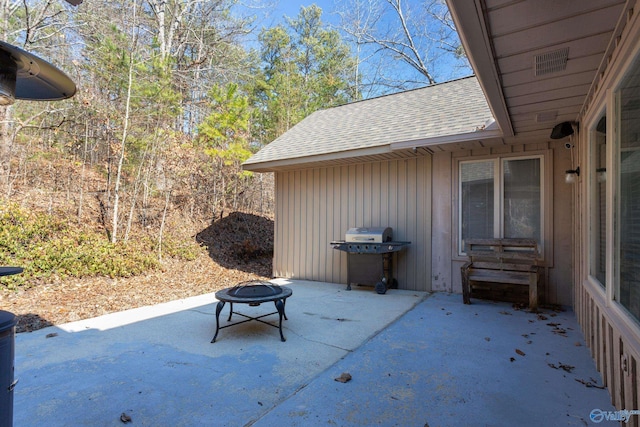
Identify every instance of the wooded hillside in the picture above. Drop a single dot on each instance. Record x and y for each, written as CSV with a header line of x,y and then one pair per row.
x,y
139,169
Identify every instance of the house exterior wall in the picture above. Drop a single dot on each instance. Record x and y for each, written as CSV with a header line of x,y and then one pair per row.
x,y
316,206
612,334
557,278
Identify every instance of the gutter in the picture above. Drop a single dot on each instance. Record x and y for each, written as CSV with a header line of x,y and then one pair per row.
x,y
450,139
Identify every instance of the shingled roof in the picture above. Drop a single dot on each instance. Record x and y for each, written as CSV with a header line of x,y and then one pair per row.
x,y
371,126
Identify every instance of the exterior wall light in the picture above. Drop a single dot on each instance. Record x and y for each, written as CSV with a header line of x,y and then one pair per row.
x,y
571,176
562,130
601,174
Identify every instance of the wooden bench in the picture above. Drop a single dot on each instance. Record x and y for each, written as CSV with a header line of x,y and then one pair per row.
x,y
508,261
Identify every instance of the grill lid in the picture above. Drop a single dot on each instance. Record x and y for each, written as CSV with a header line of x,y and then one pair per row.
x,y
368,234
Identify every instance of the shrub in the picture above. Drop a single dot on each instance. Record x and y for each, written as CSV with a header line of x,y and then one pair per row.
x,y
47,246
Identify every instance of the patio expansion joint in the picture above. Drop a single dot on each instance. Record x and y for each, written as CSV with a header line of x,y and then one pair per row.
x,y
202,312
317,341
295,392
279,402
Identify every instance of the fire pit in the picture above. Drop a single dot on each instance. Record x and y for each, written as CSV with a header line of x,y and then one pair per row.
x,y
254,293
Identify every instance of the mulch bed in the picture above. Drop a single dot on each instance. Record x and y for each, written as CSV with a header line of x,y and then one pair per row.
x,y
70,300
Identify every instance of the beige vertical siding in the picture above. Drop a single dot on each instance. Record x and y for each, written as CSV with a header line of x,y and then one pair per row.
x,y
612,335
616,352
316,206
557,284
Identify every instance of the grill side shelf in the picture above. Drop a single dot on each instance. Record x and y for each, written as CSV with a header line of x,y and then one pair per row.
x,y
368,248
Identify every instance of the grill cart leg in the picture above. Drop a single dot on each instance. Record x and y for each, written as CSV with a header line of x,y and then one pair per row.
x,y
387,279
348,271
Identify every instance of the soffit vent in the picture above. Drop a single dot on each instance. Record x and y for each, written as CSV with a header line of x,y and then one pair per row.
x,y
551,62
546,116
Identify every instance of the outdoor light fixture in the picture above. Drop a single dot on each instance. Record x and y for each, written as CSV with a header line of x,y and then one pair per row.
x,y
601,174
25,76
562,130
572,175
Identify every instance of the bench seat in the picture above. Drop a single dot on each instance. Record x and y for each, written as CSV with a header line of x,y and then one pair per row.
x,y
507,261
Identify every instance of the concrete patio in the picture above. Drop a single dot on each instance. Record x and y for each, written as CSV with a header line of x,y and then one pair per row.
x,y
415,359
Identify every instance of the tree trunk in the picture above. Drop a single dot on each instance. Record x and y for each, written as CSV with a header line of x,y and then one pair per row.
x,y
164,218
82,175
5,145
125,127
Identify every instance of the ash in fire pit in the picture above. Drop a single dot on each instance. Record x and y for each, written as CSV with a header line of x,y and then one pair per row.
x,y
254,293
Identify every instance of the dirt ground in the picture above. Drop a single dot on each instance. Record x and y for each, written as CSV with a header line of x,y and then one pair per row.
x,y
235,249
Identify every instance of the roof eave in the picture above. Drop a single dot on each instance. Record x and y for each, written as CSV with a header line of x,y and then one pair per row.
x,y
273,165
449,139
472,30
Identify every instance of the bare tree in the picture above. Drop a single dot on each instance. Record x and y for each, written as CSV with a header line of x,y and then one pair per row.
x,y
125,128
419,38
33,26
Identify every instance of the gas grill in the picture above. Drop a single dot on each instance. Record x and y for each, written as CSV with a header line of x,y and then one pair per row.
x,y
369,256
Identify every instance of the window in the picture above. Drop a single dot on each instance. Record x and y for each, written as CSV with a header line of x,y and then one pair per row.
x,y
598,244
501,198
627,158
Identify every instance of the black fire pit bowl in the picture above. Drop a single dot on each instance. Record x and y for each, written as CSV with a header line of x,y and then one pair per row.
x,y
253,293
254,290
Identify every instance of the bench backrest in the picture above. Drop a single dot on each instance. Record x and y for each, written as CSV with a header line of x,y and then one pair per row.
x,y
502,254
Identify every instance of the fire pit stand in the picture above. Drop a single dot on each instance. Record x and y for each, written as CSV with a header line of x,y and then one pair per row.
x,y
254,293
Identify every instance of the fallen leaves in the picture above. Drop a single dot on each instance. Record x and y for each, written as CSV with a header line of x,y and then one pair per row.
x,y
343,378
566,368
40,306
557,329
590,384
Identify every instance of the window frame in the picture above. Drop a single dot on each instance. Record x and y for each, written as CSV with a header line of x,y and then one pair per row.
x,y
609,104
627,50
546,198
614,104
593,200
